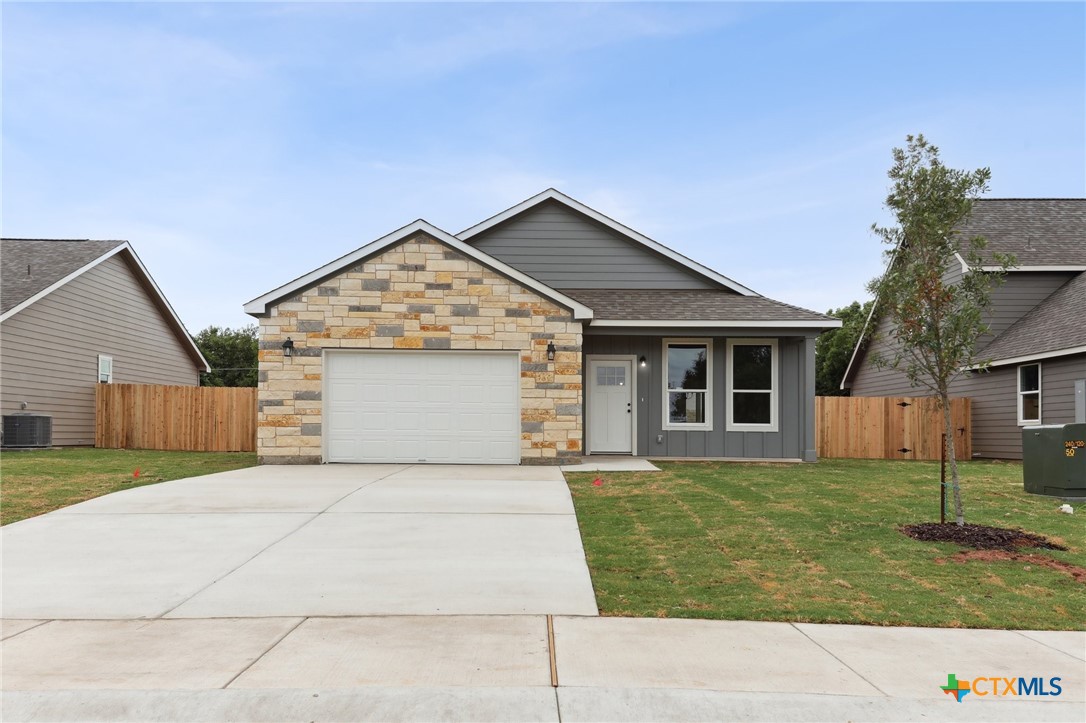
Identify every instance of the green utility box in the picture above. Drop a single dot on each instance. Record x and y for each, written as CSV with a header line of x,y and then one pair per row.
x,y
1054,460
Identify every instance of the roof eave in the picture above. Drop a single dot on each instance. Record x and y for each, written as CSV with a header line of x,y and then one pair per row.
x,y
717,323
1039,356
552,194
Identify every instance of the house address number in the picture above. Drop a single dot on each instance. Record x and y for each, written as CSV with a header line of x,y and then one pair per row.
x,y
1072,445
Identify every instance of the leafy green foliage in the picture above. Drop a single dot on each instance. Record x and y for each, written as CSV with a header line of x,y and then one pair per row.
x,y
934,323
821,544
833,350
232,354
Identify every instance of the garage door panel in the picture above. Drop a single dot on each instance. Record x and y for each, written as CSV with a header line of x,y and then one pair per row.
x,y
405,406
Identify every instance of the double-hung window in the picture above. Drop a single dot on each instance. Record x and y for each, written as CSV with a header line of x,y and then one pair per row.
x,y
688,393
1029,394
752,385
105,369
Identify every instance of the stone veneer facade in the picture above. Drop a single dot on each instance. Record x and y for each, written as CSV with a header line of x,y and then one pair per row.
x,y
420,294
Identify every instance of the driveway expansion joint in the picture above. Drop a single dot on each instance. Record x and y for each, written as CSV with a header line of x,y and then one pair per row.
x,y
267,650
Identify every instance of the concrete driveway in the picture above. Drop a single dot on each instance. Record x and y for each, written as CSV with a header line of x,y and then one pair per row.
x,y
333,540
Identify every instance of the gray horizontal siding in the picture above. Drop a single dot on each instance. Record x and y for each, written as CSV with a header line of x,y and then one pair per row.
x,y
789,442
566,250
49,351
1018,295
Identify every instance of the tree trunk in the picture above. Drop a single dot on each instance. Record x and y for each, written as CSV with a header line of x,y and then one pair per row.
x,y
959,513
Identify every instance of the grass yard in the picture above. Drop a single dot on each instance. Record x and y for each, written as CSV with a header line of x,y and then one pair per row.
x,y
820,543
35,482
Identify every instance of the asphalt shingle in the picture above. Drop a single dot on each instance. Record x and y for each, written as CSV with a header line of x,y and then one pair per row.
x,y
31,265
687,305
1038,231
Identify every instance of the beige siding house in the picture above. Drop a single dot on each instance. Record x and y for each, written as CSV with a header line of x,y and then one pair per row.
x,y
75,313
1037,339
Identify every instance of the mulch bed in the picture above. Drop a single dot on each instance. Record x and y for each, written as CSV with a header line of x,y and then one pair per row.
x,y
980,537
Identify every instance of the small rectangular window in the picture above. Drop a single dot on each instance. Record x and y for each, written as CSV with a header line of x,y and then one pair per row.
x,y
105,369
688,370
752,385
1029,394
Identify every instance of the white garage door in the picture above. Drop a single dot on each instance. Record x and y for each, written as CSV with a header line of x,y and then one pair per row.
x,y
437,407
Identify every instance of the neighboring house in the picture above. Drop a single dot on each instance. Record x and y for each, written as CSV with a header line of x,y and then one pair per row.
x,y
1037,344
543,333
76,313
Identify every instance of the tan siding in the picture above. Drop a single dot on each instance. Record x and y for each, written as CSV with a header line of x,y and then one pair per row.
x,y
49,351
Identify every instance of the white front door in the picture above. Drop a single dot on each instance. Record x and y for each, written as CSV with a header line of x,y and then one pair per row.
x,y
610,406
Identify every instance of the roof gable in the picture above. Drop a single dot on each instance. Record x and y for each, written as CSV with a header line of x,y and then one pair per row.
x,y
1044,235
553,196
259,306
53,264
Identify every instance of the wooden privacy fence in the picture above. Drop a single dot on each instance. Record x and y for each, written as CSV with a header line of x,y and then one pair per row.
x,y
194,419
890,427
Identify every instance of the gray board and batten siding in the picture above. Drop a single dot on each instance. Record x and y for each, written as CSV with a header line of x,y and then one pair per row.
x,y
567,250
795,438
49,350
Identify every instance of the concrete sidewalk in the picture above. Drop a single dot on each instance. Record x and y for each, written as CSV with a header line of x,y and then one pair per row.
x,y
500,668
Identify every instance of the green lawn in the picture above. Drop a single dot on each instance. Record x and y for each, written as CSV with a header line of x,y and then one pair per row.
x,y
35,482
820,543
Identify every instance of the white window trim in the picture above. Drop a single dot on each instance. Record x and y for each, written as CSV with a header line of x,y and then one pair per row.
x,y
707,425
774,389
1019,393
109,374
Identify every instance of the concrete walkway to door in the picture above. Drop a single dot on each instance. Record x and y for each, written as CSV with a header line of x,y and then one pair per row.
x,y
332,540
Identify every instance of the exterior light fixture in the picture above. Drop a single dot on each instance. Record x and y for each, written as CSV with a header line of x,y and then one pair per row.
x,y
550,351
288,347
643,362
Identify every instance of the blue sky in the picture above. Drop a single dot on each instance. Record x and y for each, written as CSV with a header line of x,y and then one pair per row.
x,y
240,145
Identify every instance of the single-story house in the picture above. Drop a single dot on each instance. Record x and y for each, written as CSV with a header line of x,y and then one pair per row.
x,y
543,333
74,314
1037,325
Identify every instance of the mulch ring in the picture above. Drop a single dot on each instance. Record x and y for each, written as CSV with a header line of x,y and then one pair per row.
x,y
980,537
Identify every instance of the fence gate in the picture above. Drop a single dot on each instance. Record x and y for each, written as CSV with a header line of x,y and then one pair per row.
x,y
890,427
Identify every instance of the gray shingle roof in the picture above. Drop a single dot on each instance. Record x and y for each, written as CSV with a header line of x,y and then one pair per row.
x,y
1038,231
687,305
1054,324
31,265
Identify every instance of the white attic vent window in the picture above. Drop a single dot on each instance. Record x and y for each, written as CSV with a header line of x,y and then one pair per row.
x,y
105,369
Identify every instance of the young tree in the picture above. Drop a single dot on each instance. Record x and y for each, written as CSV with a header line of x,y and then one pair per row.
x,y
834,348
934,324
232,354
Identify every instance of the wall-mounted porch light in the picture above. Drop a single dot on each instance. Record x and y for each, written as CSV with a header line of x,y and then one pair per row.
x,y
550,351
643,362
288,347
